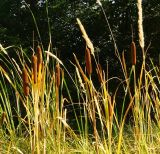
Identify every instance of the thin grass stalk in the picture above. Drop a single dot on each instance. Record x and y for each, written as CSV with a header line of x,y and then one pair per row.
x,y
108,112
133,53
35,22
111,32
36,120
120,137
5,102
126,76
93,110
80,125
30,124
136,107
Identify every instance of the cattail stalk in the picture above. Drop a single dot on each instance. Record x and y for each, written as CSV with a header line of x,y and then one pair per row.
x,y
34,68
88,61
133,53
25,82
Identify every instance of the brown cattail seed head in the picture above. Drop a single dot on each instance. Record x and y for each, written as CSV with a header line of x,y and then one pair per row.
x,y
57,74
34,68
39,57
99,73
88,61
133,53
25,82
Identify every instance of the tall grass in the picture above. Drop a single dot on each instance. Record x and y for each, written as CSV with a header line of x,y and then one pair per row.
x,y
34,117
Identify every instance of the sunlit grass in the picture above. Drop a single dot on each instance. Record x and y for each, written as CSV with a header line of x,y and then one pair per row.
x,y
43,125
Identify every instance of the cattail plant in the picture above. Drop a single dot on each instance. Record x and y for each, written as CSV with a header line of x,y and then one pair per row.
x,y
133,53
25,82
88,61
34,68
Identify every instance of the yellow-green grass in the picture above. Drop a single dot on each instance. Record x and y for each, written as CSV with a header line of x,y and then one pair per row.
x,y
45,127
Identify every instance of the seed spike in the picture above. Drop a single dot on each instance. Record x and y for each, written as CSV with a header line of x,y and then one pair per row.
x,y
25,82
88,61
